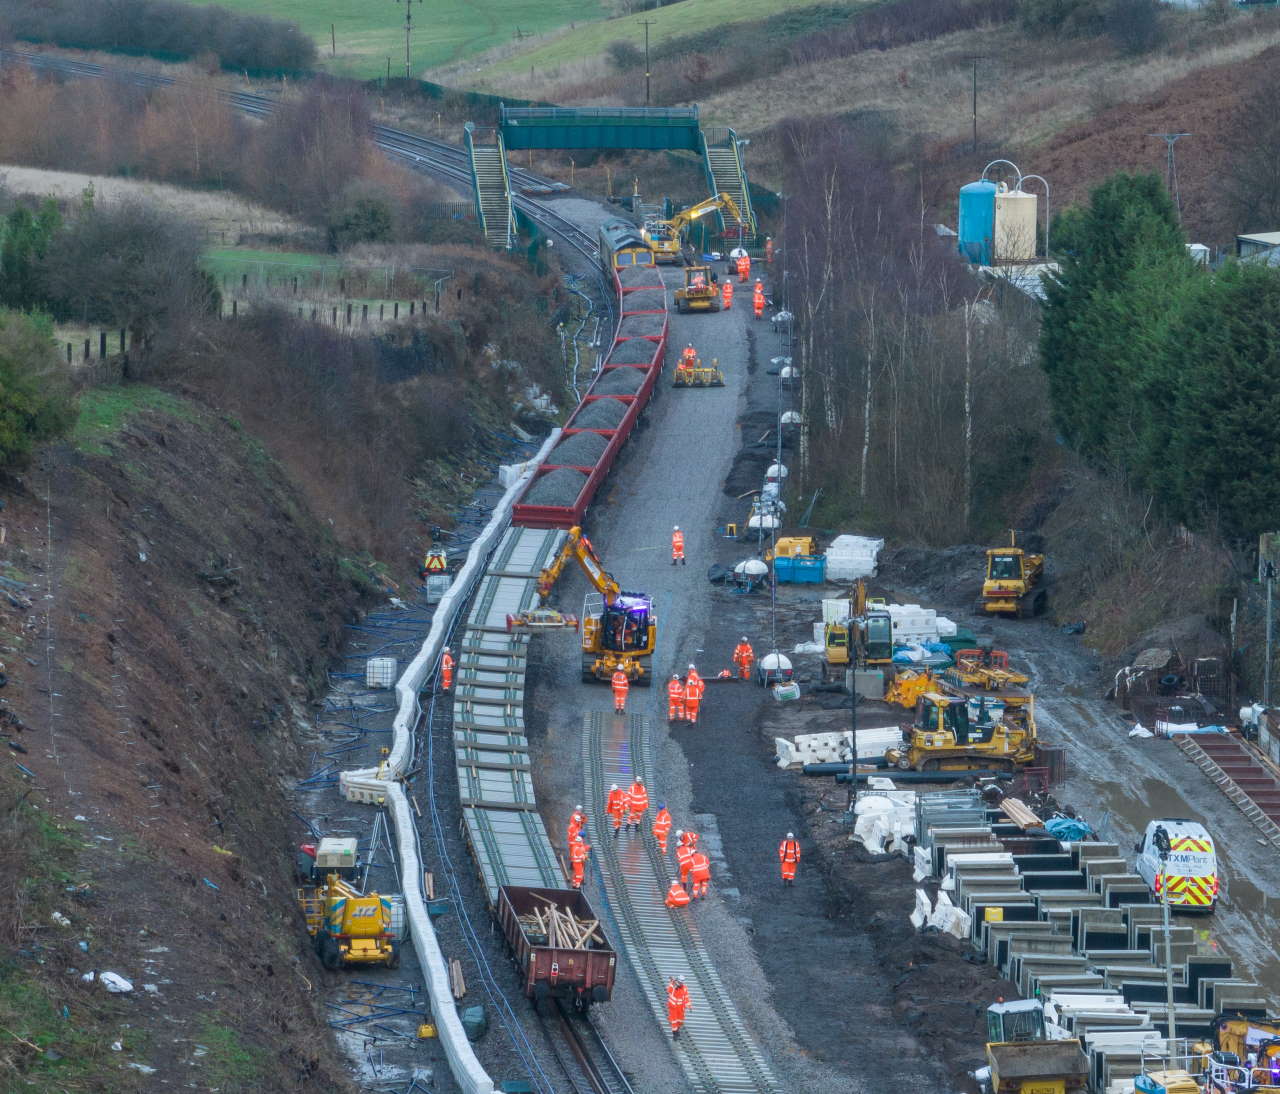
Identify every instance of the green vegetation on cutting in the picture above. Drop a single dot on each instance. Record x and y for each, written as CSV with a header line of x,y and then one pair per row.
x,y
234,260
688,17
228,1063
104,411
443,31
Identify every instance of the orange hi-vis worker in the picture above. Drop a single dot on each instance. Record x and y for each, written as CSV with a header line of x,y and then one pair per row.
x,y
675,700
677,1004
689,838
446,669
744,267
789,857
676,896
688,356
768,249
694,688
621,685
639,802
700,874
726,295
577,821
757,301
684,857
677,546
578,852
617,806
744,656
662,827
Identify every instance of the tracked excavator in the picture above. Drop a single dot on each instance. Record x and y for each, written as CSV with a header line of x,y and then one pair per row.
x,y
619,628
664,236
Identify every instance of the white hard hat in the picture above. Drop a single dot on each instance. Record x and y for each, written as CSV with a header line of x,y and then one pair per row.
x,y
744,637
614,786
639,780
679,831
446,649
675,676
676,528
790,835
679,979
691,665
577,809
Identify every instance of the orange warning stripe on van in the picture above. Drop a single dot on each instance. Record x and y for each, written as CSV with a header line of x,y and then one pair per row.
x,y
1190,843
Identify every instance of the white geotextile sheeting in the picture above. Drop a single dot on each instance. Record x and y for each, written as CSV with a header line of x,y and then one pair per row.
x,y
368,785
885,821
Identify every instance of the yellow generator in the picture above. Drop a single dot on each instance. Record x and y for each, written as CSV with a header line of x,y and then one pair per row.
x,y
1014,583
347,927
951,733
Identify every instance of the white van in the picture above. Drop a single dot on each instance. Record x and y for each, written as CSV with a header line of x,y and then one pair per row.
x,y
1192,869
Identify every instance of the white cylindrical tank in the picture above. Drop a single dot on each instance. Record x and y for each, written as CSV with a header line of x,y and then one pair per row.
x,y
776,472
1015,230
791,417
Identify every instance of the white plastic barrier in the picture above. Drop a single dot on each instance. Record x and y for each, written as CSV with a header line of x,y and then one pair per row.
x,y
379,785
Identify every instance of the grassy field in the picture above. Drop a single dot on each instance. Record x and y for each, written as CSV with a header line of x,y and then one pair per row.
x,y
591,39
443,31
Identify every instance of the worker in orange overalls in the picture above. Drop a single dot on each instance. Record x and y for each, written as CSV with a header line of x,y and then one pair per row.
x,y
744,656
726,295
684,858
676,896
694,688
789,857
700,874
662,827
677,546
675,700
757,301
744,267
768,249
579,849
577,822
621,685
688,356
689,838
446,669
617,806
677,1004
638,801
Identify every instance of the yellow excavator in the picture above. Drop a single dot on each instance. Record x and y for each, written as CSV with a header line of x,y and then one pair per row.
x,y
1014,583
952,733
347,927
867,637
619,629
663,236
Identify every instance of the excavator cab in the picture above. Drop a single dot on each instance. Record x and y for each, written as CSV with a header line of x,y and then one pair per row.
x,y
625,623
1004,566
877,642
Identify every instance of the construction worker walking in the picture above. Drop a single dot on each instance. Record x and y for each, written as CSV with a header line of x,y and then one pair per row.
x,y
700,874
677,546
744,657
757,301
744,267
617,806
676,896
677,1004
726,295
579,849
638,801
662,827
684,858
694,688
675,700
446,670
789,858
621,685
768,250
577,821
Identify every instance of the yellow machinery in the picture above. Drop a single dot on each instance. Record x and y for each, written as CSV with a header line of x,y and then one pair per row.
x,y
1014,584
699,292
664,236
985,674
348,927
1246,1059
909,686
619,629
792,547
1023,1060
952,733
871,625
696,374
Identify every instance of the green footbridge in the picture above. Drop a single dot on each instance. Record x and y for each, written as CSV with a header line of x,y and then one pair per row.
x,y
622,127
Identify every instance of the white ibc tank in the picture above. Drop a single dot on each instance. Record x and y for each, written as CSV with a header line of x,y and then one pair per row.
x,y
1015,231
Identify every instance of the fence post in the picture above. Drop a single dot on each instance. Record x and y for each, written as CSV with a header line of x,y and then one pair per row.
x,y
244,281
68,353
395,309
364,314
122,339
411,304
342,286
234,304
313,315
102,345
295,286
86,349
380,315
348,315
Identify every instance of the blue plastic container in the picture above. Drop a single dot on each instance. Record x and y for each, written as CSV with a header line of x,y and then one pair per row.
x,y
977,228
801,569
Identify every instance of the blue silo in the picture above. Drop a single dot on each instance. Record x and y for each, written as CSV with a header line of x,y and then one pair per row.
x,y
977,227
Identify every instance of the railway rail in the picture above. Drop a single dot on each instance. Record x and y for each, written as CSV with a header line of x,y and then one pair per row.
x,y
584,1056
716,1052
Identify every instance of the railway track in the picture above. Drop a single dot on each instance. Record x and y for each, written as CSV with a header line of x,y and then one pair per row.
x,y
716,1052
583,1054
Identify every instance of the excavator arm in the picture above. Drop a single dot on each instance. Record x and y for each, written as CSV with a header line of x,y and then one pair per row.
x,y
577,546
681,220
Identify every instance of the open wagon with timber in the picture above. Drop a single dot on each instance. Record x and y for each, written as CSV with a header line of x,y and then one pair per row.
x,y
558,944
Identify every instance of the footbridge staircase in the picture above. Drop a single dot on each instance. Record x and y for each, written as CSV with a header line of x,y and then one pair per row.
x,y
492,184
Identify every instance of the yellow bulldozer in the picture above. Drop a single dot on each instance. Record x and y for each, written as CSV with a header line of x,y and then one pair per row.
x,y
699,292
953,733
619,629
347,927
1014,583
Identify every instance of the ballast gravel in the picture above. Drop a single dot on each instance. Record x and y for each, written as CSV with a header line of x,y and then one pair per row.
x,y
601,414
559,487
634,351
579,449
619,381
